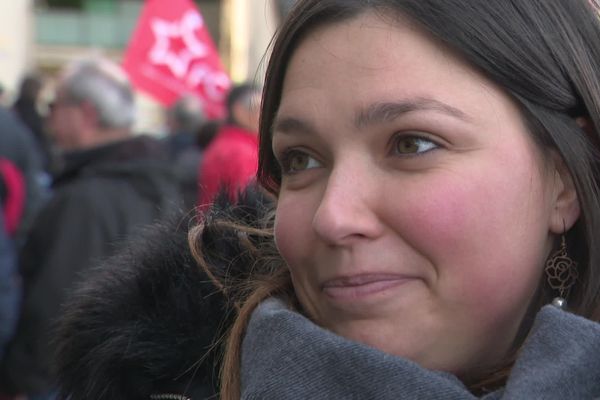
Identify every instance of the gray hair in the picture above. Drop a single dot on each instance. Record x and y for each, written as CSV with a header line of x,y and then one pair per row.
x,y
105,85
187,114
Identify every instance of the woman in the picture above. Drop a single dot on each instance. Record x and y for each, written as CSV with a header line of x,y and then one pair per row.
x,y
434,164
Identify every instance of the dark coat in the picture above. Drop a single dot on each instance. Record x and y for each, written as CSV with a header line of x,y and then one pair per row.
x,y
17,144
12,201
104,196
26,110
185,155
148,320
10,288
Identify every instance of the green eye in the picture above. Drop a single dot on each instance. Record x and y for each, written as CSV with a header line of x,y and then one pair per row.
x,y
298,161
406,145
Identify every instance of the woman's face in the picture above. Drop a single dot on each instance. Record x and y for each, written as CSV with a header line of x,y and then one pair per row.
x,y
415,211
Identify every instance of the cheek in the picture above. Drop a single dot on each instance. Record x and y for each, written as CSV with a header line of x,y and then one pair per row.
x,y
296,243
293,228
484,233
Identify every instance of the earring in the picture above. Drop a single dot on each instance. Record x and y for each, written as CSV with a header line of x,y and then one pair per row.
x,y
561,271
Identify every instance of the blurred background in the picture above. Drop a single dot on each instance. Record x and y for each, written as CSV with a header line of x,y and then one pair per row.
x,y
41,36
86,162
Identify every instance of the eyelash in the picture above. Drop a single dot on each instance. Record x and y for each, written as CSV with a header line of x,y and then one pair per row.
x,y
286,157
410,136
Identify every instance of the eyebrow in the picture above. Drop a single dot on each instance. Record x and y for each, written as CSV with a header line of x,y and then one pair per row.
x,y
290,125
374,114
378,113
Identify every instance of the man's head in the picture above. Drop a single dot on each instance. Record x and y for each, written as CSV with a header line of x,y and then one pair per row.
x,y
30,87
243,106
186,115
94,105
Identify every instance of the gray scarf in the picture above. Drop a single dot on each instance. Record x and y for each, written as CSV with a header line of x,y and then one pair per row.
x,y
286,356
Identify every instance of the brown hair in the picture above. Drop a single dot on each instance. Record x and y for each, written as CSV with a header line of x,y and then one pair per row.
x,y
267,277
543,53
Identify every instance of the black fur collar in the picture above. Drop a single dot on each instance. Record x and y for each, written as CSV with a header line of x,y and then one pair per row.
x,y
145,321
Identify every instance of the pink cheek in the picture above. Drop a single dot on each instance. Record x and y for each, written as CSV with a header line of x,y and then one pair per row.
x,y
456,227
438,216
449,223
292,226
283,240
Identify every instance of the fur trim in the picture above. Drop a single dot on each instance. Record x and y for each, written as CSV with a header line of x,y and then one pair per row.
x,y
145,321
232,253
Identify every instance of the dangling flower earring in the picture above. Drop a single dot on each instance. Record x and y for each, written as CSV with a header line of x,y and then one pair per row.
x,y
561,271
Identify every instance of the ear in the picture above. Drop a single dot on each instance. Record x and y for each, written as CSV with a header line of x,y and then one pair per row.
x,y
566,209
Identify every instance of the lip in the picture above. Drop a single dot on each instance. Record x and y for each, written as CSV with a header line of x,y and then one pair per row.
x,y
361,286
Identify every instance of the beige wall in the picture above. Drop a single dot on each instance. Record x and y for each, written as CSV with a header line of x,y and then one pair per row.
x,y
250,25
263,23
16,34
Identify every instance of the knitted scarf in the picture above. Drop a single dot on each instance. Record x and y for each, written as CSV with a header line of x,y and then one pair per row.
x,y
286,356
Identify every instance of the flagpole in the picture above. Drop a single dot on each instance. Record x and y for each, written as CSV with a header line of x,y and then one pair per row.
x,y
225,34
239,39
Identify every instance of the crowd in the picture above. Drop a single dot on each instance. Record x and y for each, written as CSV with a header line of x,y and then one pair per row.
x,y
78,182
414,213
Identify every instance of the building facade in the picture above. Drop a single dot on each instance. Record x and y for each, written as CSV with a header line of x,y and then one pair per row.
x,y
43,35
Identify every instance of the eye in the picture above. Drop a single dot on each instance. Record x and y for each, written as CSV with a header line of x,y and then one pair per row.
x,y
294,161
412,145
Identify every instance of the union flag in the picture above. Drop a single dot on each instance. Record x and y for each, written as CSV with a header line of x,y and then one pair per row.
x,y
171,53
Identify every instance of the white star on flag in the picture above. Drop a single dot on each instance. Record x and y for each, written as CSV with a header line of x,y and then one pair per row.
x,y
163,30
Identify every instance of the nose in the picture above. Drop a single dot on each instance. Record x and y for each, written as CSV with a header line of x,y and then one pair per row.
x,y
348,208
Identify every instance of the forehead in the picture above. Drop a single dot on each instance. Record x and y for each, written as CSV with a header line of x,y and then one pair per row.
x,y
370,59
367,46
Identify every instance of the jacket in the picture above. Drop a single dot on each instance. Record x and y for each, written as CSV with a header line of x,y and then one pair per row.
x,y
27,112
10,288
230,161
186,157
17,144
104,195
12,195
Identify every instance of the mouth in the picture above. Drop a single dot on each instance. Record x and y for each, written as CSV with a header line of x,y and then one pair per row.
x,y
362,286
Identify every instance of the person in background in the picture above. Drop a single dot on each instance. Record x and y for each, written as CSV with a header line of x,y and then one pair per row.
x,y
112,184
12,202
185,119
17,144
26,108
231,160
10,292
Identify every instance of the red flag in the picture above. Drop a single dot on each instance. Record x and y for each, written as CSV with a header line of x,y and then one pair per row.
x,y
171,53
